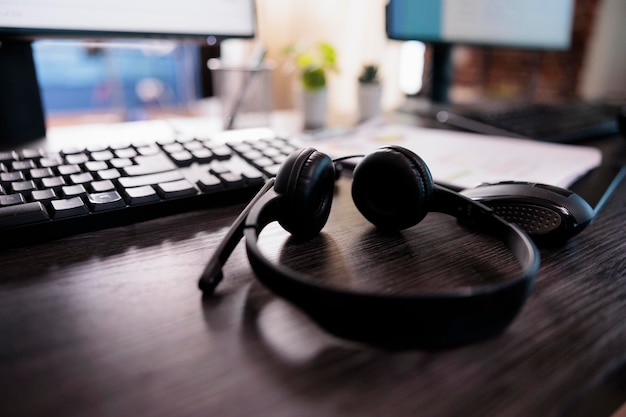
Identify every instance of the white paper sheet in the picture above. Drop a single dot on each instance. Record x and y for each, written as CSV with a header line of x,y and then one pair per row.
x,y
467,159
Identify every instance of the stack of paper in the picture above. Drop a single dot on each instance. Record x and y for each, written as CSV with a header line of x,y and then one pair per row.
x,y
468,159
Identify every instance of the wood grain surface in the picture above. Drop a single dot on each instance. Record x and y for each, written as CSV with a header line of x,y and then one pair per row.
x,y
111,323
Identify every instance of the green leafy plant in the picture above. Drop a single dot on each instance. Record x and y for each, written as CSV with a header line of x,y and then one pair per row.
x,y
369,74
313,64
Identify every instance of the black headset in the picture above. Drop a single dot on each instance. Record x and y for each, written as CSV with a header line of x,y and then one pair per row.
x,y
393,188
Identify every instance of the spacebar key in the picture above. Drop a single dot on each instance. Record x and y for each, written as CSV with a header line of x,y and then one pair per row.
x,y
22,214
151,179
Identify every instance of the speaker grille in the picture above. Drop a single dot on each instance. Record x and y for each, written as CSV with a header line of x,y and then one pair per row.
x,y
533,219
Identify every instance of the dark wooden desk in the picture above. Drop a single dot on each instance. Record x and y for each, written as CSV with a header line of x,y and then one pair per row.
x,y
111,323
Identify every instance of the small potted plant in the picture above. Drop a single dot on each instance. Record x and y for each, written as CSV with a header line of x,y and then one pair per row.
x,y
313,65
369,92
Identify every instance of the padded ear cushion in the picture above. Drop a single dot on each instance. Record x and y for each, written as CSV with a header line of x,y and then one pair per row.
x,y
392,187
306,181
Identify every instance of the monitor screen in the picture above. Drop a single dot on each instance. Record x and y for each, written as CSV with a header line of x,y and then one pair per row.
x,y
542,24
162,18
22,117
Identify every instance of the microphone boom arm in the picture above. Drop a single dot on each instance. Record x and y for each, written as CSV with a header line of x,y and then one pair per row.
x,y
212,274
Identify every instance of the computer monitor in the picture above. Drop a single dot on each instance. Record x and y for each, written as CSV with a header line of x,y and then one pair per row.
x,y
21,22
530,24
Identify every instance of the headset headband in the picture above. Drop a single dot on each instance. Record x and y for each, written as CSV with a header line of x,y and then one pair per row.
x,y
430,320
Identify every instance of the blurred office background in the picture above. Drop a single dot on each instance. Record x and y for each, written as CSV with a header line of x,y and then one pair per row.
x,y
137,80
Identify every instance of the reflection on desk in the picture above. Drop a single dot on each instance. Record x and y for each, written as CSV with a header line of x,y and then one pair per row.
x,y
111,323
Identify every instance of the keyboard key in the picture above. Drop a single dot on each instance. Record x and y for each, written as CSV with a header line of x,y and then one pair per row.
x,y
173,148
202,155
176,189
81,178
39,173
75,159
119,146
8,156
11,176
264,162
22,214
120,162
210,182
11,199
68,207
148,150
279,159
222,152
97,147
101,186
53,182
125,153
23,186
165,141
150,165
272,171
193,145
141,195
51,161
23,165
102,155
68,169
74,190
109,174
253,176
243,147
218,167
152,179
94,166
182,158
31,153
44,195
71,150
252,155
232,180
271,152
107,200
187,138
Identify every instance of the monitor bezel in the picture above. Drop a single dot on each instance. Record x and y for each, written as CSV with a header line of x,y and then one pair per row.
x,y
38,34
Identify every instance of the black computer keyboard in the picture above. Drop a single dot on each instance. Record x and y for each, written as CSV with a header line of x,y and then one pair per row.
x,y
564,122
47,195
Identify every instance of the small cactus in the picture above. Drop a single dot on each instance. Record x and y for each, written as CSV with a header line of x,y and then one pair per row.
x,y
369,74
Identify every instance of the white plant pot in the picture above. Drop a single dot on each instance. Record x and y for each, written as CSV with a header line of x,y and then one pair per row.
x,y
368,100
314,105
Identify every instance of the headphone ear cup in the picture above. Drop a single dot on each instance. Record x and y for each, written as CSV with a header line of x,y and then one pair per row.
x,y
306,181
392,187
